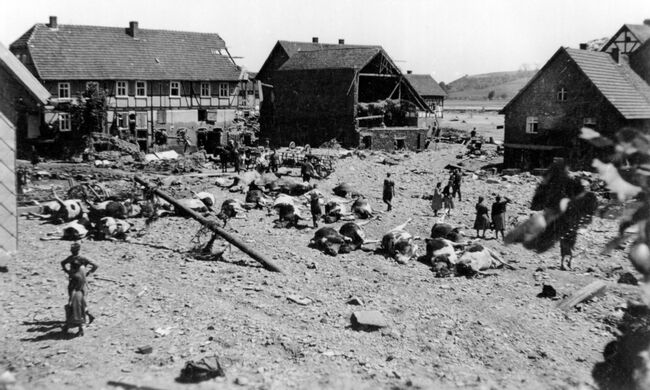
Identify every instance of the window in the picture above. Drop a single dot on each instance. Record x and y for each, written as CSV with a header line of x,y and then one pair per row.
x,y
120,120
561,95
141,88
64,90
589,122
64,122
121,88
531,124
175,88
161,116
224,90
205,89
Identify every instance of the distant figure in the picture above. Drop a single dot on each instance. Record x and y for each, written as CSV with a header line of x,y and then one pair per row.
x,y
35,159
274,161
316,211
456,178
472,134
499,216
447,201
76,307
567,242
482,221
389,191
307,170
436,200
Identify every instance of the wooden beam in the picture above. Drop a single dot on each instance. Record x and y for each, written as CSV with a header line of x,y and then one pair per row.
x,y
378,75
368,117
587,292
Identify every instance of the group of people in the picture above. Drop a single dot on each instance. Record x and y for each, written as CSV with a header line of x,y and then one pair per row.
x,y
486,219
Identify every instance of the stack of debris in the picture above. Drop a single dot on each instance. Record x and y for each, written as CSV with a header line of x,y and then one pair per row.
x,y
107,148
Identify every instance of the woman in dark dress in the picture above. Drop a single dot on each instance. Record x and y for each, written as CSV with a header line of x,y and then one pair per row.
x,y
499,216
482,221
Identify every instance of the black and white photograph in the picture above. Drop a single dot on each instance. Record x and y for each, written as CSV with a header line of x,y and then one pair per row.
x,y
327,194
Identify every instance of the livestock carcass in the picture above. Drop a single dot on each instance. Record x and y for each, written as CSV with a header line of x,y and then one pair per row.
x,y
71,231
112,229
291,187
336,209
205,197
192,204
330,241
354,233
399,244
345,190
477,258
446,231
114,209
361,208
230,208
59,210
288,211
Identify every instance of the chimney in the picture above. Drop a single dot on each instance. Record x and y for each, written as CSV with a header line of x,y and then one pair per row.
x,y
53,22
409,72
583,46
133,29
314,40
341,41
615,55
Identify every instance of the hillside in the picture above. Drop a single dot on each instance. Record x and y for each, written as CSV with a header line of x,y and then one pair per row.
x,y
504,84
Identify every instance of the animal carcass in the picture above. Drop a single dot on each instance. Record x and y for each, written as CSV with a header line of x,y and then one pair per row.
x,y
361,208
446,231
229,209
192,204
110,228
290,187
330,241
345,190
354,233
399,244
205,197
476,258
288,212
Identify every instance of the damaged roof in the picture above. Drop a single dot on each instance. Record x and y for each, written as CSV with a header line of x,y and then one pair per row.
x,y
331,58
293,47
73,52
23,75
425,85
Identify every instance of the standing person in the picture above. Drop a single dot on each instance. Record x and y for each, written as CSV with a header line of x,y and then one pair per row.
x,y
447,200
482,221
234,156
389,191
77,288
307,170
242,160
273,161
436,200
456,178
316,211
499,216
35,159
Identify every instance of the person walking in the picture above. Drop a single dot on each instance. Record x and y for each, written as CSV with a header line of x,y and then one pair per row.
x,y
436,200
456,178
482,221
389,191
307,170
273,161
499,216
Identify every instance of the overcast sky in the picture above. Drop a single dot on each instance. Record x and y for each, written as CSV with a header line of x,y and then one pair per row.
x,y
446,39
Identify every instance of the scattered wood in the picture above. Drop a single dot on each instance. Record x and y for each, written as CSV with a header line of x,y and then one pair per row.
x,y
128,386
585,293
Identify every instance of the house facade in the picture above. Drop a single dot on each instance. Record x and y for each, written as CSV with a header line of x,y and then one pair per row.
x,y
22,99
152,79
604,90
313,93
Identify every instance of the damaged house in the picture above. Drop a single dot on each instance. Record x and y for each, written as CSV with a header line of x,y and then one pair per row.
x,y
314,93
430,91
152,79
604,90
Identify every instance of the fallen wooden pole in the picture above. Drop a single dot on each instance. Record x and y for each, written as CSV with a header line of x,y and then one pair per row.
x,y
587,292
213,226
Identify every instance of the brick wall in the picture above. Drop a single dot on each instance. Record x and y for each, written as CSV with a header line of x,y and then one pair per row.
x,y
384,138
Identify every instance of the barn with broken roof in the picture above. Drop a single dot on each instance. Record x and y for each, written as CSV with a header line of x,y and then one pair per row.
x,y
314,93
604,90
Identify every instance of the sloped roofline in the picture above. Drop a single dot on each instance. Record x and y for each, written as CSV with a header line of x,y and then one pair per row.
x,y
23,75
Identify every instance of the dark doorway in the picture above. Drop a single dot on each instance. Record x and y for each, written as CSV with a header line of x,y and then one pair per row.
x,y
367,142
400,143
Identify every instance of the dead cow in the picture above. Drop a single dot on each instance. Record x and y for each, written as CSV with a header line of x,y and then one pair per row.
x,y
59,210
399,244
446,231
112,229
354,233
230,208
330,241
345,190
361,208
288,212
475,259
205,197
192,204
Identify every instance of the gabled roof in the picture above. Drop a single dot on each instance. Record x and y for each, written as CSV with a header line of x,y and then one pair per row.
x,y
425,85
619,84
331,58
640,31
292,47
23,75
73,52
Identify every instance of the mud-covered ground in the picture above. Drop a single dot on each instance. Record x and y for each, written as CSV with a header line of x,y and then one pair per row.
x,y
485,332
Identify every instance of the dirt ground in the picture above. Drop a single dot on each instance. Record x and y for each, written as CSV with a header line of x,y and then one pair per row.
x,y
485,122
490,332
